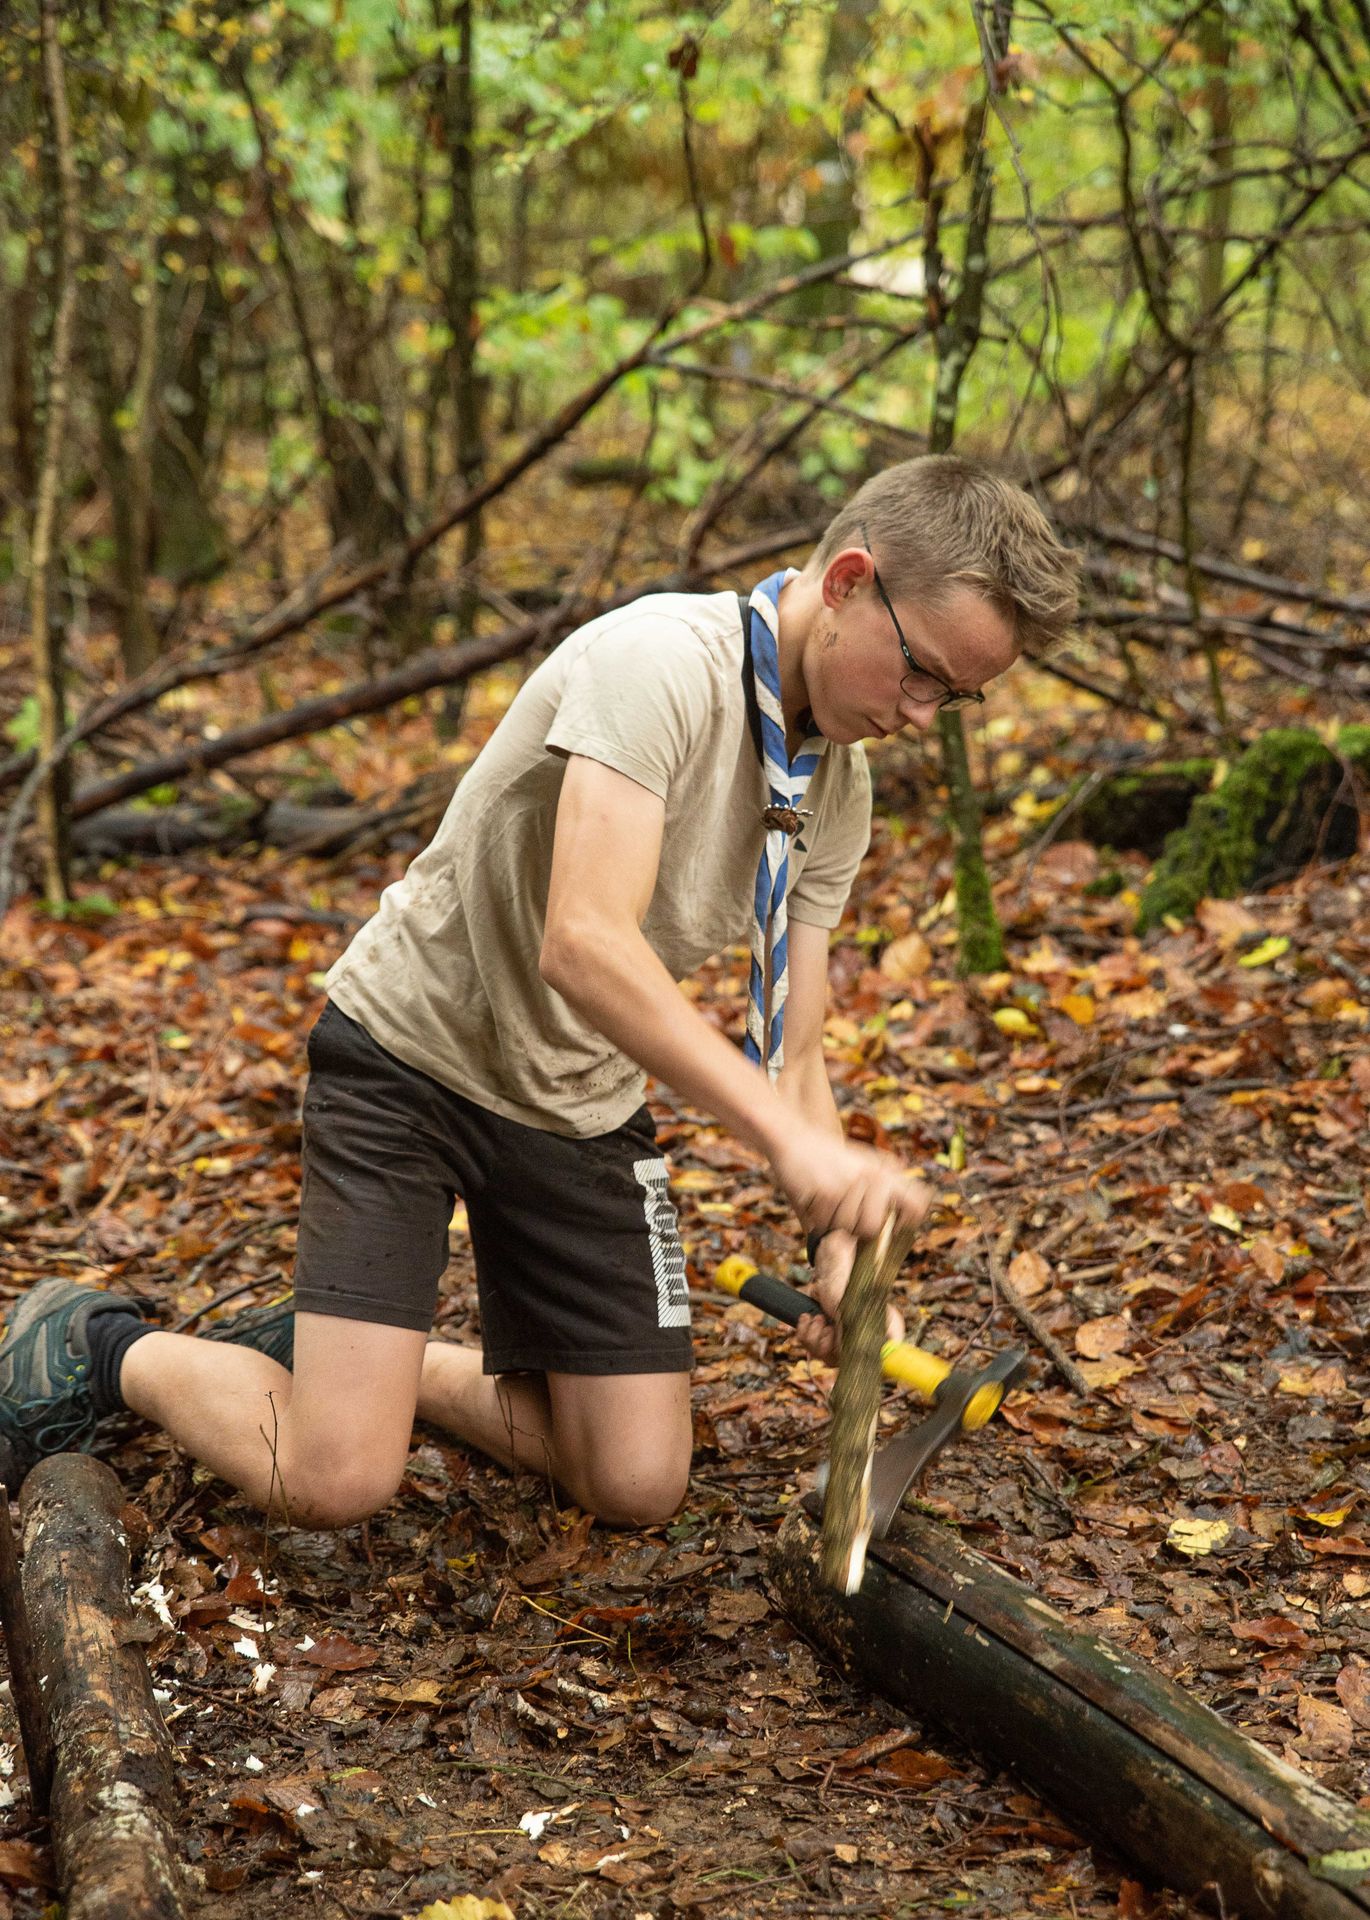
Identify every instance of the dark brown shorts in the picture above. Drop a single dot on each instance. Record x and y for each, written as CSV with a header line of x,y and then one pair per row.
x,y
578,1260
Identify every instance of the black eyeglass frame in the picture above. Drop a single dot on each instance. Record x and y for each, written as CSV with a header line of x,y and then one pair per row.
x,y
948,697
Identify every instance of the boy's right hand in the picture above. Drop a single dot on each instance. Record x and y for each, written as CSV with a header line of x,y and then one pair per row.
x,y
835,1186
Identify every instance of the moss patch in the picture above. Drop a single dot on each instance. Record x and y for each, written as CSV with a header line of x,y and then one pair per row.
x,y
1283,803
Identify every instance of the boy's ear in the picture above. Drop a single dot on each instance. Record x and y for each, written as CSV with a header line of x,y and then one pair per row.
x,y
844,573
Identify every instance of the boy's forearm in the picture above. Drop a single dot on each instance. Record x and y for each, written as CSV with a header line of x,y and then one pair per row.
x,y
622,988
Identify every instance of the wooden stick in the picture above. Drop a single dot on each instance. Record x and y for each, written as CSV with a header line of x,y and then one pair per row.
x,y
113,1791
1025,1316
34,1730
856,1405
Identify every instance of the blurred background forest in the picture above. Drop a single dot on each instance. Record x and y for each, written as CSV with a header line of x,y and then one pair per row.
x,y
350,351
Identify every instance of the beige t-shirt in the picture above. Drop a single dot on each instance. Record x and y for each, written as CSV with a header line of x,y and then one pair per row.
x,y
445,976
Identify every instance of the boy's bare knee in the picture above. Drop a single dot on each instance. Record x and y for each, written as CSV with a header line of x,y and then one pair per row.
x,y
338,1496
624,1495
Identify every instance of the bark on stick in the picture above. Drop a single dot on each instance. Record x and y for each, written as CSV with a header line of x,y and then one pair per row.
x,y
113,1792
856,1406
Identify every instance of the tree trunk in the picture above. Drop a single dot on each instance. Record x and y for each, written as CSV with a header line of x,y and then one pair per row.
x,y
980,940
1119,1751
47,646
980,946
463,288
114,1793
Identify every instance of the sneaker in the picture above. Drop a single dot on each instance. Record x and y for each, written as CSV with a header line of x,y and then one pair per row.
x,y
45,1398
270,1329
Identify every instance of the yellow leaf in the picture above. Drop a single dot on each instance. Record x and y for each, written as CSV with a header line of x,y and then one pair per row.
x,y
1222,1216
956,1153
1267,951
1013,1020
1080,1008
1197,1537
1102,1374
467,1906
1328,1517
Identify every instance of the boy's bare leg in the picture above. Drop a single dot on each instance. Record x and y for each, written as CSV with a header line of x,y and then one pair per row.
x,y
619,1444
339,1427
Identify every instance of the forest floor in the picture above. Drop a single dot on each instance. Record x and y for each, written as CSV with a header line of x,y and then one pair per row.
x,y
1164,1144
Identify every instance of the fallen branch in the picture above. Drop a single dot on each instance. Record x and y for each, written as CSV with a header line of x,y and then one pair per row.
x,y
25,1672
1023,1313
113,1793
1117,1750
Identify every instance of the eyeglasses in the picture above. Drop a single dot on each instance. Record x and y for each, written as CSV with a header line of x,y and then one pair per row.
x,y
918,684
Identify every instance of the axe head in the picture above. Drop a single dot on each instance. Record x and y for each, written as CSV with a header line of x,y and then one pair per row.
x,y
897,1464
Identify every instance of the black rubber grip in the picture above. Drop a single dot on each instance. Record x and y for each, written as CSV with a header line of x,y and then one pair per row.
x,y
774,1297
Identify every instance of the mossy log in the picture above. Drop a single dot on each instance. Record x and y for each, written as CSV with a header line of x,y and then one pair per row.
x,y
113,1789
1286,801
1123,1754
1133,811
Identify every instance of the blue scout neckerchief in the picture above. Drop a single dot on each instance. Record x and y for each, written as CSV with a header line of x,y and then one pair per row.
x,y
787,781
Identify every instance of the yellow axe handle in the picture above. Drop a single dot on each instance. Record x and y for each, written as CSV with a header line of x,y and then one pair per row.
x,y
900,1360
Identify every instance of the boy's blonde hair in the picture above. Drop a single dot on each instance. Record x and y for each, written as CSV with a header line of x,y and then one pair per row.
x,y
941,521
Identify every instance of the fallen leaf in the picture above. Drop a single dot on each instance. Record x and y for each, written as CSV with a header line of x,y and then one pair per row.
x,y
1353,1690
20,1096
913,1769
907,958
1197,1537
1267,951
1080,1008
1102,1374
1073,862
338,1654
1325,1728
466,1906
1222,1216
1309,1381
1110,1333
1028,1273
1226,921
1013,1020
1274,1630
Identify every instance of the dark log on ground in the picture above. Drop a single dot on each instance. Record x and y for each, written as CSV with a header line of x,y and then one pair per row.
x,y
1136,808
113,1791
1120,1752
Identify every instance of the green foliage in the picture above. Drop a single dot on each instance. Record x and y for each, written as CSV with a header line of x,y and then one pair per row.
x,y
23,726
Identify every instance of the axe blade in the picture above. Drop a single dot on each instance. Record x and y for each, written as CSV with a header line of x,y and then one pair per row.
x,y
900,1461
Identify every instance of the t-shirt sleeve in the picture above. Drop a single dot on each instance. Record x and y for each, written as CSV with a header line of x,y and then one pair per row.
x,y
842,833
637,699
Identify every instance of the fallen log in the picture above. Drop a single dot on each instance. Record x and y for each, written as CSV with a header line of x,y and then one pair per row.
x,y
1120,1752
113,1789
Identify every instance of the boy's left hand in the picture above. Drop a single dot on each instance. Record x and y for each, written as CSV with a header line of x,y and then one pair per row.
x,y
832,1270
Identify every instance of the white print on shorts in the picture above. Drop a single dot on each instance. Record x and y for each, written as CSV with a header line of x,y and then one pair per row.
x,y
668,1256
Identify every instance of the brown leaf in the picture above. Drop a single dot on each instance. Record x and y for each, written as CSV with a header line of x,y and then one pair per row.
x,y
19,1096
913,1769
337,1654
1110,1333
1073,863
1353,1690
1325,1729
22,1864
907,958
1226,921
1028,1273
1274,1630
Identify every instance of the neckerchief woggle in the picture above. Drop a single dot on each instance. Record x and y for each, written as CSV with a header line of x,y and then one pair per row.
x,y
787,782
